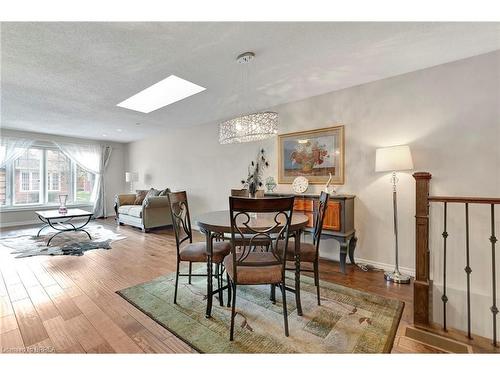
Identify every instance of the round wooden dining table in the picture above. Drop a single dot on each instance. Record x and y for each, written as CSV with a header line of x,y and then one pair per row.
x,y
216,224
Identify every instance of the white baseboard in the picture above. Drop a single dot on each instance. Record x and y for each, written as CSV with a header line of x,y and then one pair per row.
x,y
385,266
19,223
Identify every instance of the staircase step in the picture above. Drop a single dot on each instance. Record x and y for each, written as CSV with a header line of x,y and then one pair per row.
x,y
437,342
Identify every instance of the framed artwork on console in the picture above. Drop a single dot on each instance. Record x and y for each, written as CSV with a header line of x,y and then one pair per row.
x,y
313,154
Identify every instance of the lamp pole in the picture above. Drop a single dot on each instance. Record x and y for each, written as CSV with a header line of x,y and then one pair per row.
x,y
396,276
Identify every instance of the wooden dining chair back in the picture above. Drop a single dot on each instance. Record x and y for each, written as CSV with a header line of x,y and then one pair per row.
x,y
318,228
192,252
320,218
270,225
181,221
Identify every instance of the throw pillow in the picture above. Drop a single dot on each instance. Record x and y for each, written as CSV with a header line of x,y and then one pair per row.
x,y
152,193
164,192
139,196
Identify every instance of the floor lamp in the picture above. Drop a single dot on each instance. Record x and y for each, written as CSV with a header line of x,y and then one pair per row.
x,y
392,159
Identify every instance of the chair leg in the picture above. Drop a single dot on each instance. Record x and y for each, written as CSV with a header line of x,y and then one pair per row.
x,y
190,270
273,294
297,285
233,311
316,279
218,268
285,311
228,290
176,282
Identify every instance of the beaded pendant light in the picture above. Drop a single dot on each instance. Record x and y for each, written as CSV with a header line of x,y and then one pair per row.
x,y
248,127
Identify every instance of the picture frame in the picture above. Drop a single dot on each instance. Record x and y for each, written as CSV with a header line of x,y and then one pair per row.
x,y
313,154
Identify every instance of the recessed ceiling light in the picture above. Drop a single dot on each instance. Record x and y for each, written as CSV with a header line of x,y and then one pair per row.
x,y
165,92
104,135
119,130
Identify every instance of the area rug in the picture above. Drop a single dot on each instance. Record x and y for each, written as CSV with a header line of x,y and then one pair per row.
x,y
348,321
71,243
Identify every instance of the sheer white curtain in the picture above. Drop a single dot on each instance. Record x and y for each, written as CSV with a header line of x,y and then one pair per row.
x,y
93,158
12,147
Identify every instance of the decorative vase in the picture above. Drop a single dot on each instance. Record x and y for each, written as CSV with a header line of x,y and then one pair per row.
x,y
63,210
252,189
307,167
270,184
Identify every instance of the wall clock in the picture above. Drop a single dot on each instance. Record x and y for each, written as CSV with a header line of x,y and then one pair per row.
x,y
300,184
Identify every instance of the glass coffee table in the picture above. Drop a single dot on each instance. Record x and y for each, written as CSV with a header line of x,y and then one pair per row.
x,y
62,222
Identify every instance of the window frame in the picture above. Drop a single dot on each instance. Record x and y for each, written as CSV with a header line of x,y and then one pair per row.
x,y
44,184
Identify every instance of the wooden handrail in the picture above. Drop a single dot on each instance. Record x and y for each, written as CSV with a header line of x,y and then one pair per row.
x,y
478,200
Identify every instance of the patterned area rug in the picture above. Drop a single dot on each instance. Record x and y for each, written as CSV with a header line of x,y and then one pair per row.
x,y
28,244
348,321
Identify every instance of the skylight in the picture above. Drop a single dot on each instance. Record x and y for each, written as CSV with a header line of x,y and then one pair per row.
x,y
165,92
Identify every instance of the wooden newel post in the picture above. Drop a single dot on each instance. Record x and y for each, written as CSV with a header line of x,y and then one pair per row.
x,y
422,287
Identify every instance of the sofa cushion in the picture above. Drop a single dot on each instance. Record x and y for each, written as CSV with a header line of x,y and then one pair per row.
x,y
131,210
139,196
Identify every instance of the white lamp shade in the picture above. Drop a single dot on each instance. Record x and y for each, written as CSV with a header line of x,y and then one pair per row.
x,y
395,158
131,176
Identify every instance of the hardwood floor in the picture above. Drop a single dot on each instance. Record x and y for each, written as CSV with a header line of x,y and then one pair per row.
x,y
68,304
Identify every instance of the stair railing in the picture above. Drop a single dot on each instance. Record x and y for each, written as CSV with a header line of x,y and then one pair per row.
x,y
423,285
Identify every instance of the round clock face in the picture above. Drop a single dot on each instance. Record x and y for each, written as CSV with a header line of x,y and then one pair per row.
x,y
300,184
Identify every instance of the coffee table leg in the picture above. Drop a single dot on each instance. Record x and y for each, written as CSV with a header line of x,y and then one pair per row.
x,y
73,229
43,227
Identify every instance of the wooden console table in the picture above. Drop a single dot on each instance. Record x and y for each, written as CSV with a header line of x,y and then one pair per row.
x,y
338,223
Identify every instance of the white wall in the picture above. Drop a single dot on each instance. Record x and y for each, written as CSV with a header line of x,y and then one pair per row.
x,y
114,176
448,114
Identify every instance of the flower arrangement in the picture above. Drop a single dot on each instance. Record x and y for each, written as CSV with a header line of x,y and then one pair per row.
x,y
255,171
309,154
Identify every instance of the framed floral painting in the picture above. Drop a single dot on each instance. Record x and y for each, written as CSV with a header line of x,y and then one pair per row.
x,y
313,154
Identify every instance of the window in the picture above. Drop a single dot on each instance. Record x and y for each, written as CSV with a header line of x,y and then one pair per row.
x,y
59,176
29,181
54,183
85,182
27,171
40,175
3,186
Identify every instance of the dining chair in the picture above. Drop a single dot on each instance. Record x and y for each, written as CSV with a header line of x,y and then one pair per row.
x,y
187,251
309,252
244,265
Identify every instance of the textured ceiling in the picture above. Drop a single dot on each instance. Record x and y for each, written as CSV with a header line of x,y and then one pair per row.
x,y
66,78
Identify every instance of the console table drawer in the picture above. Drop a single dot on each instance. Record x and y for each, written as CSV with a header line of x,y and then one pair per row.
x,y
303,204
332,216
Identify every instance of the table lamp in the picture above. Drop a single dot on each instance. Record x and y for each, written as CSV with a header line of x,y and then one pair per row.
x,y
392,159
131,177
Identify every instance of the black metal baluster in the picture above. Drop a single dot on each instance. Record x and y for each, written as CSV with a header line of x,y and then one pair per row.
x,y
467,268
444,298
494,309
